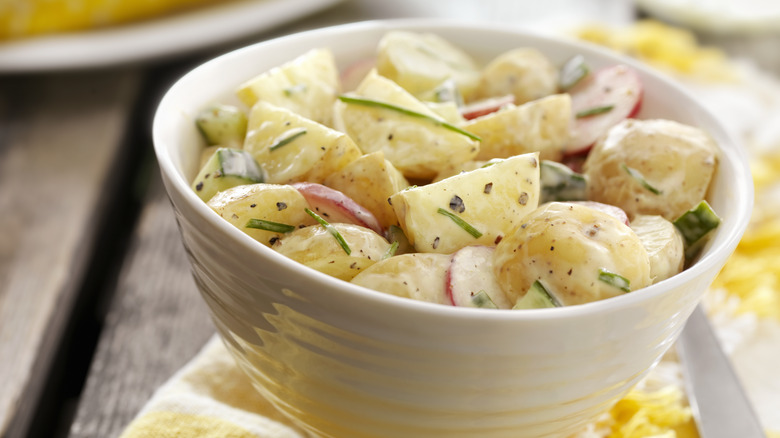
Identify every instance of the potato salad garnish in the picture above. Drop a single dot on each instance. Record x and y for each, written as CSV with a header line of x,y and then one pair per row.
x,y
519,184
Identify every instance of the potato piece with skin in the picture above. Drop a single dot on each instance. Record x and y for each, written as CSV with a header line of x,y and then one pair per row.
x,y
651,167
291,148
271,202
663,243
491,199
315,247
307,85
543,126
370,180
417,276
419,62
565,246
417,147
524,72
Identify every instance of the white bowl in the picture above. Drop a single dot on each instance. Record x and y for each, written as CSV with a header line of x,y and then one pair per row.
x,y
345,361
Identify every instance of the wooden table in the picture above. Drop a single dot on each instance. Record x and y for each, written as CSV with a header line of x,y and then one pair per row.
x,y
97,305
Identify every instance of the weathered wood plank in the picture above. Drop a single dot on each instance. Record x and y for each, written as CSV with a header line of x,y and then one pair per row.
x,y
157,322
60,136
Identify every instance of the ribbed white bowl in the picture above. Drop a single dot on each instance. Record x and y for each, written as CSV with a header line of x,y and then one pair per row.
x,y
344,361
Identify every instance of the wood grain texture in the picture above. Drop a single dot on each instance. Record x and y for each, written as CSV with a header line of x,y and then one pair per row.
x,y
59,139
156,324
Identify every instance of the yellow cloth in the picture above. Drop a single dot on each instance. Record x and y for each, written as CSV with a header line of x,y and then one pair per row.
x,y
210,397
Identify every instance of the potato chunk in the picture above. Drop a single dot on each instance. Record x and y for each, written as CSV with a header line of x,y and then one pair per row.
x,y
418,147
270,202
493,200
370,181
307,85
291,148
524,72
316,248
418,276
663,243
651,167
542,126
574,251
419,62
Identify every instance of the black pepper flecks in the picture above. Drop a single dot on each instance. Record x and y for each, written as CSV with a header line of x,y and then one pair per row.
x,y
523,199
488,188
457,205
199,186
435,243
280,206
252,205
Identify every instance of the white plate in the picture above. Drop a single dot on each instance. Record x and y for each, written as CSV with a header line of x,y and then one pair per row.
x,y
153,39
746,17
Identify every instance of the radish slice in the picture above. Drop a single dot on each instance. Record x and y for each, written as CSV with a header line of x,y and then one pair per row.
x,y
487,106
355,72
470,272
336,207
616,212
617,88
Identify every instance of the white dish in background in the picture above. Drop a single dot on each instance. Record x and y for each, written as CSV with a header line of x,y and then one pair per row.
x,y
747,29
746,17
153,39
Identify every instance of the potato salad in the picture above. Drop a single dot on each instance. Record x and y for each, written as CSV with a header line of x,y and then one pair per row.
x,y
519,184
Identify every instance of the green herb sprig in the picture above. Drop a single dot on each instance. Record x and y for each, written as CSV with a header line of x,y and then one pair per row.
x,y
461,223
332,230
389,106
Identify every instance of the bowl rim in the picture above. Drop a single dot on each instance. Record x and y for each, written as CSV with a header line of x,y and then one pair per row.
x,y
712,259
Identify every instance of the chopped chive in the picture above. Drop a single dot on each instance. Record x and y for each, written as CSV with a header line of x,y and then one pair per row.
x,y
391,251
573,71
697,222
482,300
560,183
594,111
537,297
406,111
332,230
265,225
615,280
491,162
287,139
641,179
461,223
289,91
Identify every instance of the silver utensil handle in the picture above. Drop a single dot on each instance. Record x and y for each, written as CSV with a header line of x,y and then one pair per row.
x,y
718,401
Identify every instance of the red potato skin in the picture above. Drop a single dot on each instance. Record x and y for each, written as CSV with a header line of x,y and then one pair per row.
x,y
448,286
355,72
485,107
617,85
336,207
451,280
